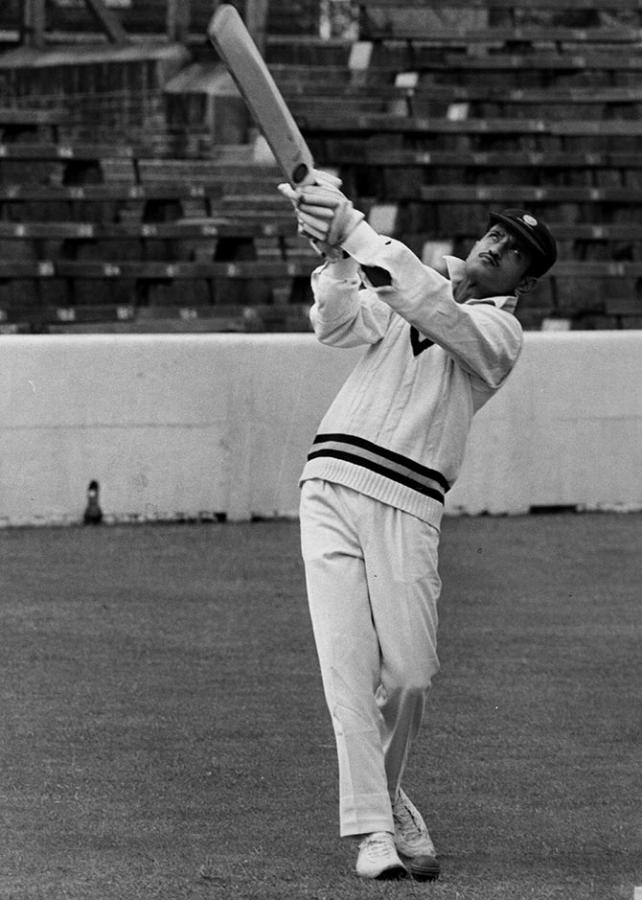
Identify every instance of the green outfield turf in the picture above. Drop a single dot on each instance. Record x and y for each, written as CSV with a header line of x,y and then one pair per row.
x,y
164,733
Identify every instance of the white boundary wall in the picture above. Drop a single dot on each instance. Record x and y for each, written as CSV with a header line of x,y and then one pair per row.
x,y
188,426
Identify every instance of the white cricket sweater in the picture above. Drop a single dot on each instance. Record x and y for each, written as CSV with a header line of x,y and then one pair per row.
x,y
397,429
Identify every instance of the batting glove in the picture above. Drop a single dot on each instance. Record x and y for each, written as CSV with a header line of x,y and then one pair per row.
x,y
325,214
324,181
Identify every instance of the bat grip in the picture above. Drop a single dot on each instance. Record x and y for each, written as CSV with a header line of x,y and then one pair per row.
x,y
300,173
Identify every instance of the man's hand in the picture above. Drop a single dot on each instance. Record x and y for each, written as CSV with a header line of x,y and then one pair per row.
x,y
324,215
323,249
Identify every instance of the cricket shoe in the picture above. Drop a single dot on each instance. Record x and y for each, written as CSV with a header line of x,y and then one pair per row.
x,y
413,841
379,859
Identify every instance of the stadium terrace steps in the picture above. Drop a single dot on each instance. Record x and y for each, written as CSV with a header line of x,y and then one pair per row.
x,y
431,116
437,114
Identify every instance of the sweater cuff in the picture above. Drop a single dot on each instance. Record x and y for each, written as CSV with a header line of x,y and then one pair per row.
x,y
342,268
364,243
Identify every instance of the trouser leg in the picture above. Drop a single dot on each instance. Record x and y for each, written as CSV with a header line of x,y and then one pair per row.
x,y
348,652
404,588
373,586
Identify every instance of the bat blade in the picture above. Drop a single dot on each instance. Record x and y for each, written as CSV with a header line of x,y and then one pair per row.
x,y
237,49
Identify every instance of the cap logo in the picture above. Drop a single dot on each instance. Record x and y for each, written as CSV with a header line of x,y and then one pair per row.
x,y
531,221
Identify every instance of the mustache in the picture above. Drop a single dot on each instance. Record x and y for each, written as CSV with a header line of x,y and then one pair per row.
x,y
489,256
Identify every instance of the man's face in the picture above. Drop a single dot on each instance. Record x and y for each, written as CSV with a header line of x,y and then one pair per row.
x,y
497,263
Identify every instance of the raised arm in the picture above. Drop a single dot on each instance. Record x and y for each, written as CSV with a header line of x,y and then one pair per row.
x,y
484,339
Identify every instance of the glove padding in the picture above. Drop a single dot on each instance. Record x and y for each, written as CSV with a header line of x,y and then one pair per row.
x,y
324,215
292,195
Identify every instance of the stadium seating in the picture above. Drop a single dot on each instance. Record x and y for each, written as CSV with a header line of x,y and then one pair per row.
x,y
444,113
104,237
123,208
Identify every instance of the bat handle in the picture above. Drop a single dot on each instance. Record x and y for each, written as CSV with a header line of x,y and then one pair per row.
x,y
300,173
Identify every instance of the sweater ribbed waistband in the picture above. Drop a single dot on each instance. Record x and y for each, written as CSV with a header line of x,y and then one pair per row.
x,y
387,463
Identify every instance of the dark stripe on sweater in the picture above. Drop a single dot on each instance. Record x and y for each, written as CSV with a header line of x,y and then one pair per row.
x,y
380,470
397,458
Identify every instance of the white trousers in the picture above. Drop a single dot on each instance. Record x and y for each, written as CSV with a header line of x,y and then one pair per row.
x,y
373,586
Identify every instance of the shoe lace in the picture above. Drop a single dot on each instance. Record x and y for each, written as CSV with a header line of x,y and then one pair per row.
x,y
405,819
377,845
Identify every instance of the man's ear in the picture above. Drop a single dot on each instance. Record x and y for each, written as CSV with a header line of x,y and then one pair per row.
x,y
527,284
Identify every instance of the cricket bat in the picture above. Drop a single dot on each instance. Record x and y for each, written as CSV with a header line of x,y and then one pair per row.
x,y
245,64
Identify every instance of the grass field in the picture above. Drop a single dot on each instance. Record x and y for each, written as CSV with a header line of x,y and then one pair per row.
x,y
164,733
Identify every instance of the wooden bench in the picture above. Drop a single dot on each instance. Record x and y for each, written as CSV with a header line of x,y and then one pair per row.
x,y
218,159
218,239
210,230
449,209
174,272
42,124
415,86
537,68
513,6
204,171
211,189
583,233
498,23
529,65
173,317
64,283
49,150
526,194
397,28
558,78
351,154
367,140
115,202
399,83
338,120
292,245
518,45
410,96
580,288
234,318
388,19
605,306
218,155
144,168
152,270
122,191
